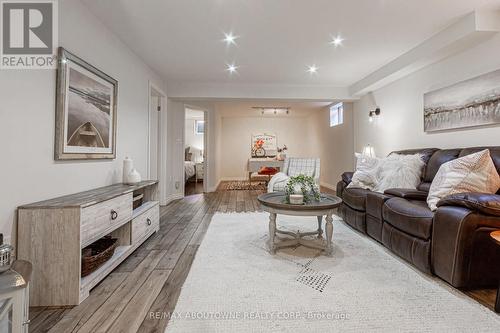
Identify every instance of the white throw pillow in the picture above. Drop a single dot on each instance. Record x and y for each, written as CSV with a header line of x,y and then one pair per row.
x,y
471,173
400,171
366,174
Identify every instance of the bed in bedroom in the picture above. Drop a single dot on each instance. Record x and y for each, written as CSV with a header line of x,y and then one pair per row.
x,y
189,170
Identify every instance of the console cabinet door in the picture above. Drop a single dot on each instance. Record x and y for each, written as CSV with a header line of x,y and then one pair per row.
x,y
145,224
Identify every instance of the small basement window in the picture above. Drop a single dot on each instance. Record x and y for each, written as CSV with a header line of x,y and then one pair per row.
x,y
199,126
336,114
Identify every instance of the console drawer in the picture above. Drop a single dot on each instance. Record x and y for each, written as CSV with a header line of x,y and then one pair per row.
x,y
146,223
99,219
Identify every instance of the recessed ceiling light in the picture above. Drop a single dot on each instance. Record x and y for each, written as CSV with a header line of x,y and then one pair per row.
x,y
312,69
337,41
230,39
231,68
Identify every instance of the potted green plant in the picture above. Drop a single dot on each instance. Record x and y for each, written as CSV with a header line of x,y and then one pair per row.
x,y
302,185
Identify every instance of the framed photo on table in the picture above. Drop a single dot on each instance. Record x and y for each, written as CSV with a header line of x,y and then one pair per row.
x,y
86,100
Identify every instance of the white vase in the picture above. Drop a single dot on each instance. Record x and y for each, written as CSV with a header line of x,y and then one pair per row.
x,y
128,166
133,177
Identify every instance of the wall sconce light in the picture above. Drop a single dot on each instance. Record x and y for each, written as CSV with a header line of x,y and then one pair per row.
x,y
373,114
368,151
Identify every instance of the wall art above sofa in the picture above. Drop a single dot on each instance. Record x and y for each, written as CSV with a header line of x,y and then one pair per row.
x,y
474,102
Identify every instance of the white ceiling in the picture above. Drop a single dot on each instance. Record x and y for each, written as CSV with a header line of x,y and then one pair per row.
x,y
278,38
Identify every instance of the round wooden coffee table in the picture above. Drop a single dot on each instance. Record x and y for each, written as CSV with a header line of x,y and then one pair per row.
x,y
274,203
495,236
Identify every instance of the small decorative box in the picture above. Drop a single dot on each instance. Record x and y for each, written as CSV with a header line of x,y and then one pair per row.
x,y
296,199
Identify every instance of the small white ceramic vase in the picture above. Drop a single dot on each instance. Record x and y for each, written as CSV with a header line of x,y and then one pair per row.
x,y
128,166
133,177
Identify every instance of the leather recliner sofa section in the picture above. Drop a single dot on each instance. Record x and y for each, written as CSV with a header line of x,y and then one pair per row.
x,y
451,242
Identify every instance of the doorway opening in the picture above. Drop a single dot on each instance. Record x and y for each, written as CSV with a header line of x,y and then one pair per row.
x,y
194,151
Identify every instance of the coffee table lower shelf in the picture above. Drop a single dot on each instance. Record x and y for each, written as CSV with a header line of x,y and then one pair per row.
x,y
297,238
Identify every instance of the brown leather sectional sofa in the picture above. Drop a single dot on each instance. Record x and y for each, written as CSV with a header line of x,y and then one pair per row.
x,y
452,242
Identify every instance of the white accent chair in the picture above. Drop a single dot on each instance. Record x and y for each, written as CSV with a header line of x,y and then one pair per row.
x,y
294,166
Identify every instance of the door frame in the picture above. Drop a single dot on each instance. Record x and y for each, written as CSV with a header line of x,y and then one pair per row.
x,y
155,90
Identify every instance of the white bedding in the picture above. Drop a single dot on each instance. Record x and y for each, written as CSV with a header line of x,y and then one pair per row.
x,y
189,169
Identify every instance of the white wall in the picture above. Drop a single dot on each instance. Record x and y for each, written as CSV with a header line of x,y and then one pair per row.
x,y
27,110
334,145
237,125
401,120
175,150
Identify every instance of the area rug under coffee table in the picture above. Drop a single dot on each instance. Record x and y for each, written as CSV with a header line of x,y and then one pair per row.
x,y
235,285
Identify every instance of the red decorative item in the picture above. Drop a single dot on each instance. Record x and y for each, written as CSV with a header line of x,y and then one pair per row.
x,y
268,171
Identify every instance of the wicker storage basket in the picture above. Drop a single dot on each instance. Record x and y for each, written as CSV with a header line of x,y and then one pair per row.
x,y
97,253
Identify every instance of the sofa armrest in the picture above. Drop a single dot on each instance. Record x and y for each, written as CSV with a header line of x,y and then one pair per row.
x,y
347,177
488,204
407,193
462,252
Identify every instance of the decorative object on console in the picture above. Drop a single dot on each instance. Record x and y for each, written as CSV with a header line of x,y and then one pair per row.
x,y
304,185
281,153
128,166
264,145
85,111
368,151
472,173
373,114
473,102
133,177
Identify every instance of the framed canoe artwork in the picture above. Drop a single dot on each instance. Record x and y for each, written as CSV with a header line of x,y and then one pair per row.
x,y
85,111
470,103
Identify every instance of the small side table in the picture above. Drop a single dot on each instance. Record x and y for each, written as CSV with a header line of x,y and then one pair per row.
x,y
495,236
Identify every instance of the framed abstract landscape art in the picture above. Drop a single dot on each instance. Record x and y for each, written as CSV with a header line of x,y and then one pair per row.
x,y
474,102
85,111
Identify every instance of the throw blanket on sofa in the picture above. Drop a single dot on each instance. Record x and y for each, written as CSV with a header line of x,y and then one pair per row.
x,y
278,182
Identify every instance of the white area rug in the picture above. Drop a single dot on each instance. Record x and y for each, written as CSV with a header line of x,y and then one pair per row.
x,y
235,285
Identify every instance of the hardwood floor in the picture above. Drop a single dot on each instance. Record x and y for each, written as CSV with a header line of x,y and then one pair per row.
x,y
193,188
138,294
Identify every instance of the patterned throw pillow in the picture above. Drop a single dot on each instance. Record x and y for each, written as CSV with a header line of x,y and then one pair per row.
x,y
366,174
471,173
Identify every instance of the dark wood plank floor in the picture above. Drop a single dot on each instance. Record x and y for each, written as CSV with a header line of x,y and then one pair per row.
x,y
193,188
149,281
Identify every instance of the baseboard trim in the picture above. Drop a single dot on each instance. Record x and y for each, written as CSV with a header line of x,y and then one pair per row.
x,y
214,188
172,197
